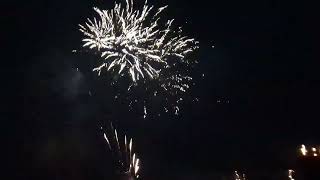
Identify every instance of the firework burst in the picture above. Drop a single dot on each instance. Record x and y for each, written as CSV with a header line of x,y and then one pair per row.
x,y
125,159
134,45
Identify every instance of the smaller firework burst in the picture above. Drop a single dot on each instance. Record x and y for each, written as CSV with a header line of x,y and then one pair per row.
x,y
126,161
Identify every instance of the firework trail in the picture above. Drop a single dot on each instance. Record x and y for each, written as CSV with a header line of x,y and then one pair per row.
x,y
125,159
139,49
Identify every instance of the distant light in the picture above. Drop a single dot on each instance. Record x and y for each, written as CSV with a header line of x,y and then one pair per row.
x,y
238,177
303,150
315,154
290,174
243,176
290,171
314,149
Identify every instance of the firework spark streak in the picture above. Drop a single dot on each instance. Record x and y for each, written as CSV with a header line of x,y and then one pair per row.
x,y
133,44
239,177
126,161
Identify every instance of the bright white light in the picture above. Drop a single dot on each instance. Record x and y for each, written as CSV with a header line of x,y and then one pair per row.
x,y
303,150
290,174
238,177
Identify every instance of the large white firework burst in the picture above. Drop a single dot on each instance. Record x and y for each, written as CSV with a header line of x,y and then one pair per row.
x,y
141,46
126,161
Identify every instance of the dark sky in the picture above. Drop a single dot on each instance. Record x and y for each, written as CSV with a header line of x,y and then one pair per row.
x,y
265,64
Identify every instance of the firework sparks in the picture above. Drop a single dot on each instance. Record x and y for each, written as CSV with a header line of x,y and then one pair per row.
x,y
290,174
126,161
133,44
239,177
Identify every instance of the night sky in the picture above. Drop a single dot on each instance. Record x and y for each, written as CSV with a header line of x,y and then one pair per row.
x,y
258,89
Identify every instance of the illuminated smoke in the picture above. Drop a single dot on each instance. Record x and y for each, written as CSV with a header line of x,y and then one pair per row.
x,y
145,50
